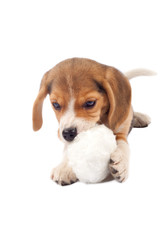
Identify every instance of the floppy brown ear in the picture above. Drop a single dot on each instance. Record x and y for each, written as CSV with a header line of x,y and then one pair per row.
x,y
118,90
38,104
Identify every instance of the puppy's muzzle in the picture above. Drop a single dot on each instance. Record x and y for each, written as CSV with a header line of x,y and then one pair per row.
x,y
69,134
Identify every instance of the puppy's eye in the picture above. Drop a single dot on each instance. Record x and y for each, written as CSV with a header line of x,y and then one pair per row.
x,y
89,104
56,106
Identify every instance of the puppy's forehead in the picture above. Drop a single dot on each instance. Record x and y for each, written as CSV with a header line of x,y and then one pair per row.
x,y
72,76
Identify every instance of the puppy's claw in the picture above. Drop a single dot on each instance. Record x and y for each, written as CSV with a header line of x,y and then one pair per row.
x,y
111,161
113,171
64,183
123,180
118,178
73,181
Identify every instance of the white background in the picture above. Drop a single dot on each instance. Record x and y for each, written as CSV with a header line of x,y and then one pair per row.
x,y
35,35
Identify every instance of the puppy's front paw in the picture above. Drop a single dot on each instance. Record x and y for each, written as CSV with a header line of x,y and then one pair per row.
x,y
118,165
63,174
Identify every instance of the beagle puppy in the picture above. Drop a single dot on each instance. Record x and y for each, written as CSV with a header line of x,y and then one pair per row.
x,y
83,93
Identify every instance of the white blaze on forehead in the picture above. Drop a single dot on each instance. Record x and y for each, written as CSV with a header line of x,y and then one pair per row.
x,y
69,120
68,116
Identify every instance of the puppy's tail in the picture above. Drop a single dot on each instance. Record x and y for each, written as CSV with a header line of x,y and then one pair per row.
x,y
139,72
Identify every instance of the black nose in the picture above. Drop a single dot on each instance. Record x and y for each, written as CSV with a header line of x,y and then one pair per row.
x,y
69,134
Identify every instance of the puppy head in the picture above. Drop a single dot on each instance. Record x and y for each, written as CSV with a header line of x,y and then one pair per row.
x,y
83,93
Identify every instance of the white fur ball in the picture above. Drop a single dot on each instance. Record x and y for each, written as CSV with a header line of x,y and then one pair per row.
x,y
89,154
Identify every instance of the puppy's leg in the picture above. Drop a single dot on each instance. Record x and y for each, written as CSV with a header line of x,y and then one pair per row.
x,y
140,120
119,161
63,173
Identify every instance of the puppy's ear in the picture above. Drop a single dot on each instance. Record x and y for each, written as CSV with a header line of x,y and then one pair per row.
x,y
118,90
38,104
